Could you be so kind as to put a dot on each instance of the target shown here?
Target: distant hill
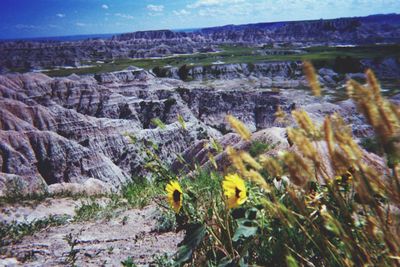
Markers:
(72, 50)
(356, 30)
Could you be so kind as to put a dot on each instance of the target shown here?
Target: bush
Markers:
(258, 148)
(371, 144)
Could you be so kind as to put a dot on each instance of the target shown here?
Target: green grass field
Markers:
(320, 56)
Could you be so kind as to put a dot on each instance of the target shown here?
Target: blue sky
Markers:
(38, 18)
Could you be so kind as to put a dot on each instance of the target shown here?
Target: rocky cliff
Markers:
(71, 129)
(358, 30)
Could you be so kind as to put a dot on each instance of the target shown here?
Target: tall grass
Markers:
(317, 204)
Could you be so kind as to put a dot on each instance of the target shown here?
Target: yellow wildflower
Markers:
(234, 190)
(174, 194)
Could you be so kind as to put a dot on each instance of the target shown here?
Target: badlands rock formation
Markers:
(73, 129)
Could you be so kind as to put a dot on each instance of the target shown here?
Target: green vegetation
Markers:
(97, 208)
(257, 148)
(72, 241)
(137, 194)
(128, 262)
(372, 144)
(163, 260)
(140, 193)
(12, 232)
(320, 56)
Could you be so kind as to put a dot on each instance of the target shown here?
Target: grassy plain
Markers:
(319, 55)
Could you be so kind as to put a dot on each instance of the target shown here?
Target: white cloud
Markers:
(182, 12)
(27, 27)
(80, 24)
(230, 11)
(60, 15)
(104, 6)
(155, 8)
(124, 16)
(30, 27)
(207, 3)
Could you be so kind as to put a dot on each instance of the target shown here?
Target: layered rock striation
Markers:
(69, 130)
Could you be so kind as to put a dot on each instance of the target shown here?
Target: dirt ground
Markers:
(101, 242)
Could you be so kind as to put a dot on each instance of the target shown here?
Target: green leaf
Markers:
(216, 145)
(245, 230)
(181, 121)
(242, 263)
(331, 226)
(290, 261)
(194, 235)
(157, 122)
(132, 138)
(128, 262)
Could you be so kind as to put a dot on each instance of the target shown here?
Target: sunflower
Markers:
(174, 193)
(234, 190)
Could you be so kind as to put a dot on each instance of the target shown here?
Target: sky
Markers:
(43, 18)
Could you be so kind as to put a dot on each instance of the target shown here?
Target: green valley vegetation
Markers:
(322, 56)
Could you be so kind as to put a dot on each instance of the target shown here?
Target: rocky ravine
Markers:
(71, 130)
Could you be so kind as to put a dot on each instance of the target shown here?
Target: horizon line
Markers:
(53, 38)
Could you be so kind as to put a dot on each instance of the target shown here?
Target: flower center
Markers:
(176, 196)
(237, 192)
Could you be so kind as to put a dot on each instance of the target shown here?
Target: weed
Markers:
(110, 249)
(92, 209)
(140, 193)
(166, 221)
(87, 211)
(13, 232)
(164, 260)
(128, 262)
(124, 220)
(72, 241)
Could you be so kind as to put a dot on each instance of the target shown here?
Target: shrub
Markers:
(371, 144)
(258, 148)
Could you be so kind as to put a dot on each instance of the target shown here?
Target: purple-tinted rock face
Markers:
(72, 129)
